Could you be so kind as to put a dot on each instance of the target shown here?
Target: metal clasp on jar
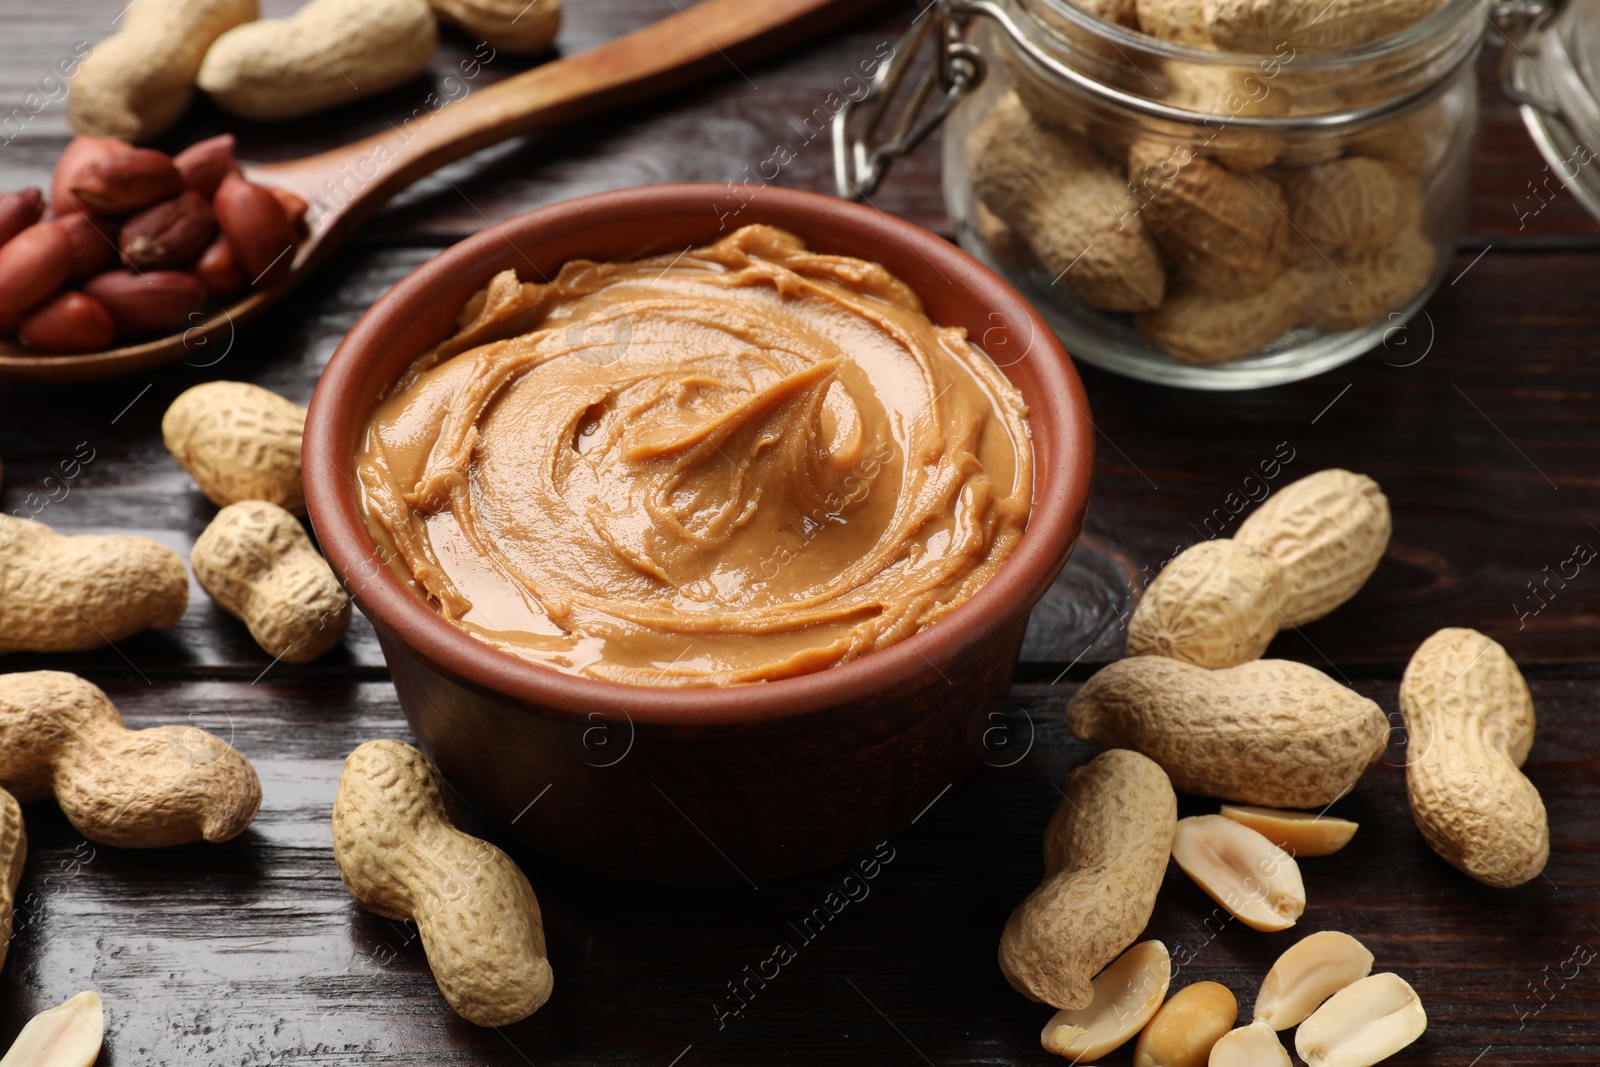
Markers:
(958, 67)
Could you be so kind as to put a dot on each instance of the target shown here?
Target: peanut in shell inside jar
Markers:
(741, 462)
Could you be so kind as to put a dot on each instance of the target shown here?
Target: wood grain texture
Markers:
(252, 952)
(1479, 420)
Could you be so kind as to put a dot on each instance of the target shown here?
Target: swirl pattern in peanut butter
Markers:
(736, 463)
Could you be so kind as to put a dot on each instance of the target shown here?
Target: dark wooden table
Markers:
(1481, 421)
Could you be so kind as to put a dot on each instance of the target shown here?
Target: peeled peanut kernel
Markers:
(1258, 882)
(1126, 995)
(1308, 973)
(1255, 1045)
(68, 1035)
(1185, 1028)
(1362, 1024)
(1300, 833)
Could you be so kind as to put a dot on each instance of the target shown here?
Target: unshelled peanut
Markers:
(1307, 549)
(1418, 140)
(1328, 530)
(522, 27)
(1262, 27)
(138, 82)
(1227, 232)
(1353, 205)
(13, 854)
(168, 785)
(1105, 854)
(256, 561)
(1228, 93)
(71, 594)
(1370, 287)
(1469, 723)
(1214, 605)
(1071, 206)
(328, 52)
(1181, 21)
(401, 858)
(1195, 325)
(238, 442)
(1270, 732)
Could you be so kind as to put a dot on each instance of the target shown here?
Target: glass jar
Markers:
(1211, 219)
(1554, 73)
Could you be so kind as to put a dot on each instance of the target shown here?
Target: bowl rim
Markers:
(1054, 522)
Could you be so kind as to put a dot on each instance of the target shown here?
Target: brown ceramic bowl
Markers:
(701, 786)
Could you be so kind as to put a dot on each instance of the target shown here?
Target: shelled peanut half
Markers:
(1219, 238)
(1346, 1016)
(132, 243)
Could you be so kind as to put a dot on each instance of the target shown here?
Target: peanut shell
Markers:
(13, 854)
(1196, 325)
(1363, 289)
(401, 858)
(1070, 205)
(1469, 719)
(1228, 232)
(72, 594)
(1262, 27)
(1328, 530)
(1352, 205)
(1269, 732)
(257, 563)
(169, 785)
(1214, 605)
(239, 442)
(1105, 854)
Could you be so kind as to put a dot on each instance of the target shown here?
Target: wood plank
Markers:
(252, 953)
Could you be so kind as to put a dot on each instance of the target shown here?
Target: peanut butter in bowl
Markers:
(737, 463)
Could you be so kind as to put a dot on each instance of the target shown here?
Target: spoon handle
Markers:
(346, 185)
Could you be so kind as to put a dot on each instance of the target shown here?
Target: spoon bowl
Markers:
(346, 186)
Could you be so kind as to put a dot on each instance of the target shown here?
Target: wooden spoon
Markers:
(347, 185)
